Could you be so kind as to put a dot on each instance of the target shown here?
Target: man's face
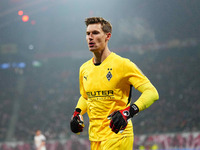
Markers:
(96, 38)
(38, 132)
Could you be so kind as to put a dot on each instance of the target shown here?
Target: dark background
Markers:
(40, 62)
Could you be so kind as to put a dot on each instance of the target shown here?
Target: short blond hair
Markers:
(106, 25)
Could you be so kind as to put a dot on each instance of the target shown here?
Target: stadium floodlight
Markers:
(25, 18)
(20, 12)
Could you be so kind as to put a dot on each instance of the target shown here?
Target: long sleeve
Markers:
(148, 97)
(82, 105)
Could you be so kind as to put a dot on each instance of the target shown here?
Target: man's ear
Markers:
(108, 36)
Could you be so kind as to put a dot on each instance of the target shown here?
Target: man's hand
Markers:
(76, 122)
(119, 119)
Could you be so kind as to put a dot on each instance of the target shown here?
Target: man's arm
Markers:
(82, 105)
(148, 97)
(76, 123)
(119, 119)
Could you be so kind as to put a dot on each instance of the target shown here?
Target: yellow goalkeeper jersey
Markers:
(106, 88)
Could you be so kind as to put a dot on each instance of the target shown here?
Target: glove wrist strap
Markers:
(133, 110)
(78, 110)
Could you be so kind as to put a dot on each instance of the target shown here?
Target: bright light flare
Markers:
(20, 12)
(25, 18)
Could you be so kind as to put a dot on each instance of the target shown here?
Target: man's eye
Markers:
(95, 32)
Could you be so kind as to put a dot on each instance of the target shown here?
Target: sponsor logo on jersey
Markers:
(104, 93)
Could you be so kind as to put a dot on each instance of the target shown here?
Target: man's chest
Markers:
(101, 79)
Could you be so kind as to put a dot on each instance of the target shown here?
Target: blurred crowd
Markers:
(45, 97)
(175, 73)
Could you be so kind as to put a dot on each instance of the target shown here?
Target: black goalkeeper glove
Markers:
(119, 119)
(76, 122)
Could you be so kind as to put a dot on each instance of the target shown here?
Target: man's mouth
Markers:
(91, 44)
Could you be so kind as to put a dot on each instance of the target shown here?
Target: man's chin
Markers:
(92, 49)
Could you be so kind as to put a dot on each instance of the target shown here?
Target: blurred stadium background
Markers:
(42, 45)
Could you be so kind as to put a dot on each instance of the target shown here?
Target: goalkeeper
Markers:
(106, 81)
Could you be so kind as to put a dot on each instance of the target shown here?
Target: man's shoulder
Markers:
(119, 58)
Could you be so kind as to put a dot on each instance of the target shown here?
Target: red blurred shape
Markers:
(25, 18)
(33, 22)
(20, 12)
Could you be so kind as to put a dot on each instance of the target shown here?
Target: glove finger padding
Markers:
(111, 115)
(119, 119)
(75, 127)
(76, 123)
(117, 122)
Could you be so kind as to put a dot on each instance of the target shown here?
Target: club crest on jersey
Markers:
(109, 74)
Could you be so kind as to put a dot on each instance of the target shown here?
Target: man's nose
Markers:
(90, 36)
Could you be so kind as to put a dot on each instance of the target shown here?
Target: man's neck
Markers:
(99, 57)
